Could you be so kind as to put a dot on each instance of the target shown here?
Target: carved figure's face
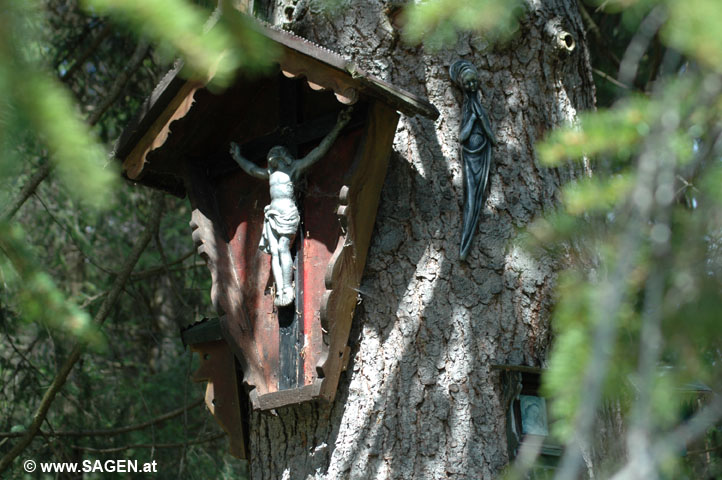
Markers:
(469, 81)
(279, 156)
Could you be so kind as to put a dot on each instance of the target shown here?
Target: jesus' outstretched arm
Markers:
(249, 167)
(322, 149)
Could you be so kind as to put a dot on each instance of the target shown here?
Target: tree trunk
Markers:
(419, 399)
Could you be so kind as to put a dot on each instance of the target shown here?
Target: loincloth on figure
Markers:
(280, 223)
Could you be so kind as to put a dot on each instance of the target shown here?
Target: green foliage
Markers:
(213, 48)
(46, 108)
(616, 130)
(69, 91)
(574, 318)
(636, 318)
(653, 280)
(37, 296)
(693, 28)
(438, 22)
(77, 155)
(592, 195)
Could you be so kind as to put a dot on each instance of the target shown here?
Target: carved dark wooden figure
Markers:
(476, 139)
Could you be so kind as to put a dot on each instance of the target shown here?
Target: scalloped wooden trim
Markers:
(320, 78)
(204, 238)
(158, 132)
(345, 269)
(225, 290)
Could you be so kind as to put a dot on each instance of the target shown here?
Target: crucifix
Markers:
(281, 217)
(297, 131)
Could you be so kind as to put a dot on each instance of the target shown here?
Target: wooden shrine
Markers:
(257, 354)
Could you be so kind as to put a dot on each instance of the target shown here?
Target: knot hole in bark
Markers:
(559, 37)
(566, 41)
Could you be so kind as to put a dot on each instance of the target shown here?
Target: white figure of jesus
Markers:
(281, 217)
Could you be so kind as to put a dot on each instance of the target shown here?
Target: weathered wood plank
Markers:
(218, 368)
(241, 200)
(207, 330)
(344, 273)
(227, 297)
(323, 234)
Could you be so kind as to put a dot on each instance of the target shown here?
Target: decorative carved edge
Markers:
(343, 248)
(402, 100)
(158, 132)
(343, 274)
(314, 391)
(225, 295)
(344, 91)
(204, 238)
(171, 101)
(210, 245)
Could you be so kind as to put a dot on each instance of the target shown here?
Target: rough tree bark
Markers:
(419, 399)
